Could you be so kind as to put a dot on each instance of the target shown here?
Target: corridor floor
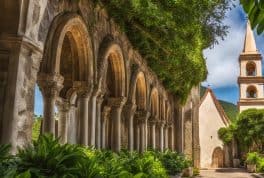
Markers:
(224, 173)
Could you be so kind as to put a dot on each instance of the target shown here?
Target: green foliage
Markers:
(174, 162)
(250, 126)
(255, 11)
(225, 134)
(252, 158)
(196, 171)
(47, 158)
(171, 35)
(257, 159)
(36, 127)
(247, 129)
(230, 110)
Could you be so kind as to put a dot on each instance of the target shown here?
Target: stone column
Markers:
(142, 117)
(171, 136)
(161, 125)
(99, 102)
(50, 86)
(116, 109)
(92, 118)
(83, 94)
(130, 110)
(64, 108)
(72, 126)
(152, 123)
(137, 135)
(105, 118)
(166, 139)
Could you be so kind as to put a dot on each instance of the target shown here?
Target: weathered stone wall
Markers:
(27, 41)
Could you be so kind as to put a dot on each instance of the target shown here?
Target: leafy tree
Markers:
(255, 11)
(171, 35)
(250, 126)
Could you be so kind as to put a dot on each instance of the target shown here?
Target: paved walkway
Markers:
(225, 173)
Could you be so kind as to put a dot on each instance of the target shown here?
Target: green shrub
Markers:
(252, 158)
(46, 157)
(174, 162)
(196, 171)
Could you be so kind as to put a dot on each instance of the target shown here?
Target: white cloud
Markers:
(222, 60)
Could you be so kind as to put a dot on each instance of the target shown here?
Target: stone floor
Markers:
(225, 173)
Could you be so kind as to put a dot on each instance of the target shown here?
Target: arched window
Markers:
(251, 92)
(251, 69)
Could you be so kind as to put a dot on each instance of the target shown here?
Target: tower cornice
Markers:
(250, 80)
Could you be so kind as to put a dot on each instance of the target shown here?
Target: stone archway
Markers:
(112, 85)
(217, 158)
(153, 136)
(67, 66)
(139, 99)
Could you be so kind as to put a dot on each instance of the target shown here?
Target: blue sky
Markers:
(221, 60)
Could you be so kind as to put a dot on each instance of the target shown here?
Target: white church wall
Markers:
(210, 122)
(243, 108)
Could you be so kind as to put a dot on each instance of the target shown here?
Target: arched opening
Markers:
(112, 83)
(217, 158)
(139, 99)
(141, 92)
(38, 114)
(251, 69)
(67, 59)
(154, 103)
(251, 92)
(154, 108)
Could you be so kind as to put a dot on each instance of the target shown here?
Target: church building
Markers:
(213, 152)
(250, 80)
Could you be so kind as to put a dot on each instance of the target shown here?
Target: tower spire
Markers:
(249, 43)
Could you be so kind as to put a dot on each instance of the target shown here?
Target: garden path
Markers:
(225, 173)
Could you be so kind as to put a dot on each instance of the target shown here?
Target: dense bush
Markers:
(248, 130)
(257, 159)
(173, 162)
(47, 158)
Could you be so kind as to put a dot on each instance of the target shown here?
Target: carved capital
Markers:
(117, 102)
(130, 108)
(106, 113)
(142, 115)
(50, 84)
(83, 89)
(63, 105)
(161, 123)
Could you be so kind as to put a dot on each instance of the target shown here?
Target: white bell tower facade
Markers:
(250, 80)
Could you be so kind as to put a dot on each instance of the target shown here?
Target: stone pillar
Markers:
(83, 94)
(105, 118)
(98, 129)
(171, 136)
(116, 110)
(161, 125)
(166, 139)
(73, 125)
(152, 123)
(137, 135)
(142, 117)
(64, 108)
(50, 86)
(92, 118)
(130, 112)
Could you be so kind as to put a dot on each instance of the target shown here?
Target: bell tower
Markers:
(250, 80)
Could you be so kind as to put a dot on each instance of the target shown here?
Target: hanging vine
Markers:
(171, 35)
